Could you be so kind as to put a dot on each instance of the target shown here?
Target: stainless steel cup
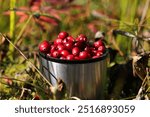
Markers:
(85, 79)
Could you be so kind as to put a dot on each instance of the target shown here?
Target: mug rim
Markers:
(57, 60)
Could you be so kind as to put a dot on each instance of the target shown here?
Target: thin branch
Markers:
(22, 93)
(23, 29)
(117, 47)
(128, 34)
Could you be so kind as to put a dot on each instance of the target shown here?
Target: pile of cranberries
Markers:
(66, 47)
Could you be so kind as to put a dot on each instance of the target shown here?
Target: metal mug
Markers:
(85, 79)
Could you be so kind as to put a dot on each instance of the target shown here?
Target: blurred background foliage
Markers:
(28, 22)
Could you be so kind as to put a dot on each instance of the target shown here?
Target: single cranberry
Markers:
(60, 47)
(83, 55)
(53, 48)
(81, 38)
(75, 51)
(88, 49)
(99, 53)
(89, 55)
(69, 46)
(93, 52)
(44, 47)
(70, 39)
(80, 45)
(70, 57)
(62, 58)
(56, 54)
(36, 97)
(65, 53)
(62, 35)
(98, 43)
(76, 58)
(58, 41)
(77, 39)
(92, 48)
(65, 41)
(101, 49)
(94, 57)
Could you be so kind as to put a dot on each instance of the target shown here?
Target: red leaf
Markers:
(35, 8)
(35, 3)
(23, 18)
(58, 2)
(21, 12)
(48, 20)
(53, 12)
(92, 27)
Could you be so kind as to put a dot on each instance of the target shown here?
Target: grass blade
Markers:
(12, 28)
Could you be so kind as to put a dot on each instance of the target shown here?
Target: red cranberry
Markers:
(80, 45)
(37, 97)
(94, 57)
(99, 53)
(69, 46)
(98, 43)
(83, 55)
(88, 49)
(56, 54)
(101, 48)
(60, 47)
(53, 48)
(62, 35)
(70, 39)
(75, 51)
(70, 57)
(76, 58)
(62, 58)
(81, 38)
(93, 52)
(44, 47)
(92, 48)
(58, 41)
(89, 55)
(65, 41)
(64, 53)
